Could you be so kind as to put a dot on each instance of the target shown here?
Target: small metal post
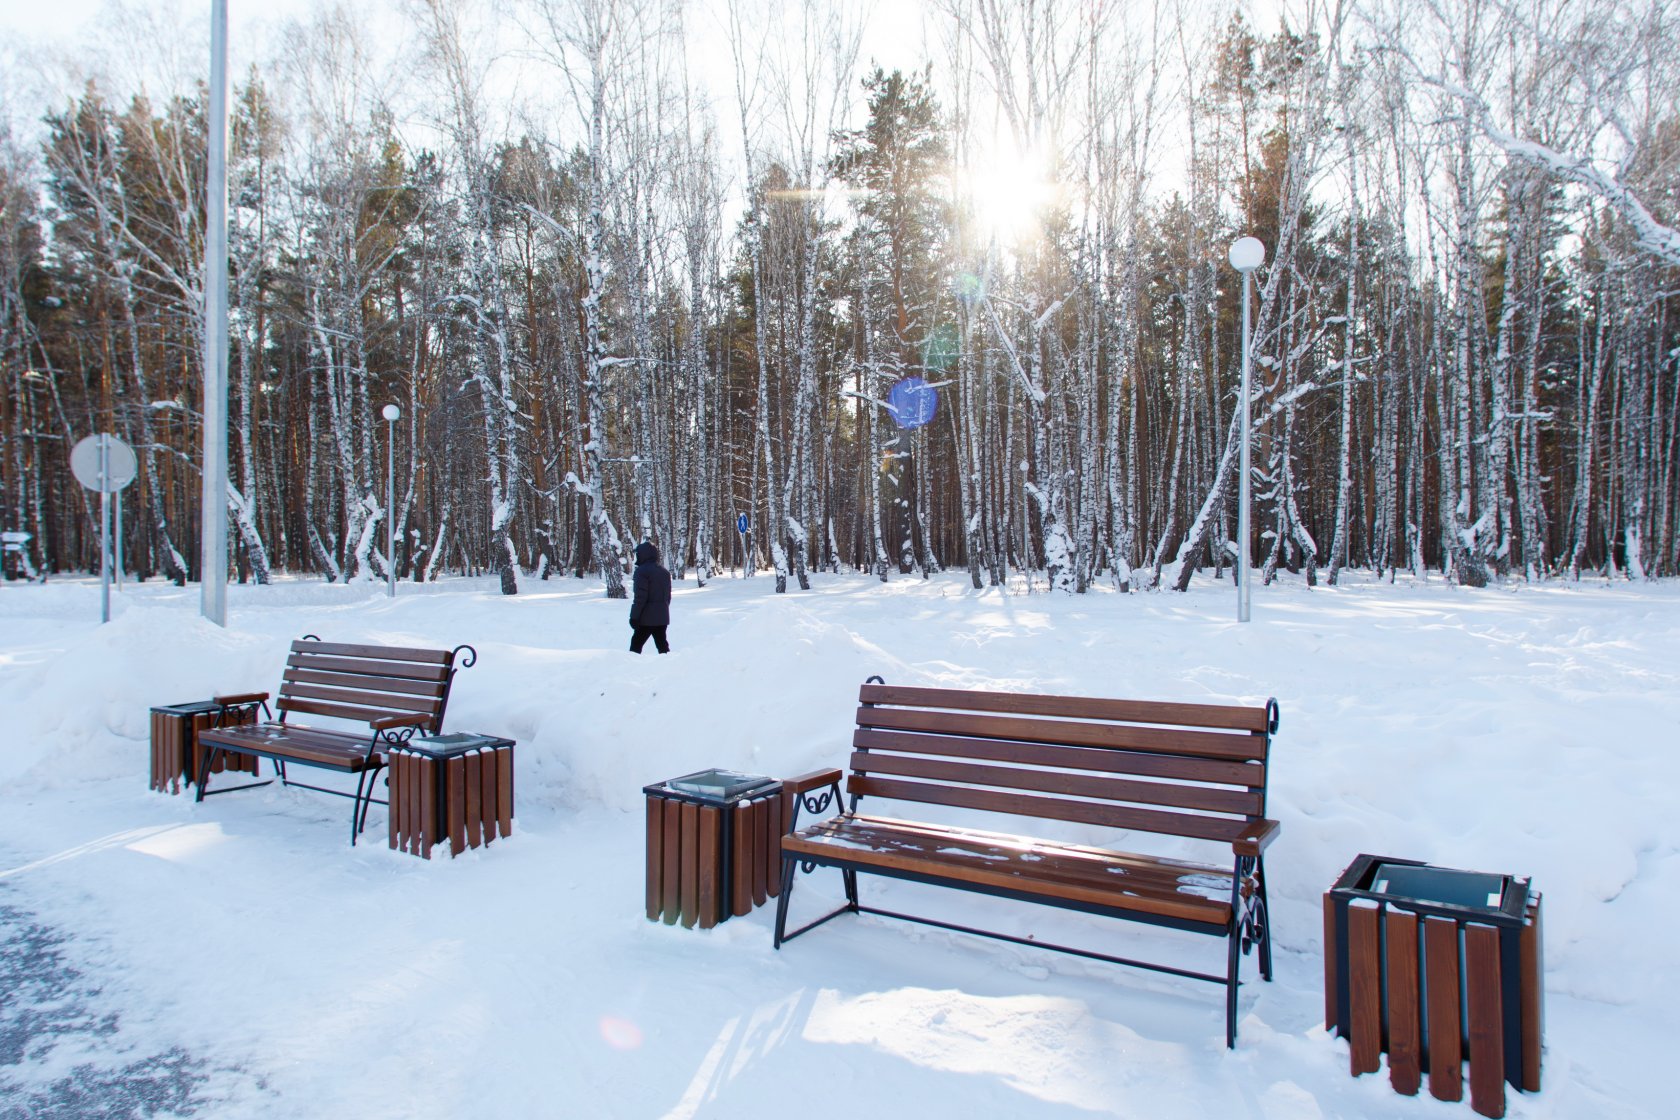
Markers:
(391, 412)
(104, 529)
(117, 541)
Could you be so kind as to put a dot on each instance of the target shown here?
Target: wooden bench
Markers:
(391, 692)
(1193, 771)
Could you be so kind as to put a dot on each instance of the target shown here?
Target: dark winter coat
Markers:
(652, 584)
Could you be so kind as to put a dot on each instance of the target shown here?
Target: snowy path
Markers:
(64, 1051)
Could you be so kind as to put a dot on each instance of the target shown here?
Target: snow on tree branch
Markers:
(1661, 241)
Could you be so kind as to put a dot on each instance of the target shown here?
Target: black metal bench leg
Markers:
(1233, 956)
(1265, 922)
(210, 757)
(356, 811)
(850, 877)
(367, 803)
(782, 901)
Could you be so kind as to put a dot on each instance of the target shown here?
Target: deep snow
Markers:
(1527, 729)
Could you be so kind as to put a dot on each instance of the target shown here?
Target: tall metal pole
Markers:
(1244, 481)
(1247, 254)
(213, 555)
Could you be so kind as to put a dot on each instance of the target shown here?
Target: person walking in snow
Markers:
(650, 610)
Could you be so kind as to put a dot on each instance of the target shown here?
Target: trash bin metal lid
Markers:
(189, 708)
(718, 787)
(448, 746)
(1476, 896)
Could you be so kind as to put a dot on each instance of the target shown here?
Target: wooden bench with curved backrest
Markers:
(1187, 771)
(387, 693)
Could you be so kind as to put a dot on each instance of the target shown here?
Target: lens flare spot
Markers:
(620, 1034)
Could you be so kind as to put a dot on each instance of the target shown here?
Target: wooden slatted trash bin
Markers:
(1435, 967)
(713, 846)
(176, 755)
(455, 789)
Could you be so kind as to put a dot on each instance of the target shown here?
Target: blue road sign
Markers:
(741, 523)
(913, 402)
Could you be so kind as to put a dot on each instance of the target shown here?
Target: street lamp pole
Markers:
(213, 557)
(1247, 254)
(391, 413)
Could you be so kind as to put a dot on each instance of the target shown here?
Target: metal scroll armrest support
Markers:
(227, 705)
(800, 789)
(385, 723)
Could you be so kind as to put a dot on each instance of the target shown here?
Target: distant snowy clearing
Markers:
(273, 970)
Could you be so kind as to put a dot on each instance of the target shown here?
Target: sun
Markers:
(1010, 191)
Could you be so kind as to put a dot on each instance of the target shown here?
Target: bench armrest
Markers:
(385, 723)
(1255, 836)
(814, 780)
(240, 698)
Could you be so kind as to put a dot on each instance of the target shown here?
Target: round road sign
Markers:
(103, 463)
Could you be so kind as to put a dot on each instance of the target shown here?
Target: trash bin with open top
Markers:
(713, 846)
(1433, 965)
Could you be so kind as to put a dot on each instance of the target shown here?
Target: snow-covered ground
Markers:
(239, 959)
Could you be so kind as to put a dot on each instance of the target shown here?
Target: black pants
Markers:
(640, 637)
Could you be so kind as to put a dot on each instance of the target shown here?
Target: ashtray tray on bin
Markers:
(713, 846)
(718, 787)
(1432, 965)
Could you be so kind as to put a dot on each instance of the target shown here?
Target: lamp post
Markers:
(391, 413)
(1247, 254)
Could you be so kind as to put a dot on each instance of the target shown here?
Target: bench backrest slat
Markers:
(1203, 798)
(353, 680)
(361, 667)
(387, 702)
(1195, 770)
(1249, 774)
(363, 683)
(1221, 716)
(338, 711)
(1028, 729)
(1223, 829)
(376, 653)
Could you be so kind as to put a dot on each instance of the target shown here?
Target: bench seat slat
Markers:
(309, 745)
(1073, 861)
(1220, 829)
(1029, 729)
(289, 731)
(401, 670)
(1250, 774)
(1064, 782)
(1189, 892)
(1230, 717)
(371, 700)
(431, 688)
(380, 653)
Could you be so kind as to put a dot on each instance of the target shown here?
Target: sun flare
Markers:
(1010, 191)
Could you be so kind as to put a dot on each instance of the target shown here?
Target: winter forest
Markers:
(634, 268)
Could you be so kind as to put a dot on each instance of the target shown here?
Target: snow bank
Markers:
(1524, 729)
